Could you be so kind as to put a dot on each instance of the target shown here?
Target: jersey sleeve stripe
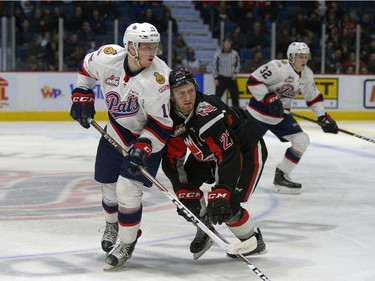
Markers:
(159, 123)
(252, 81)
(83, 71)
(318, 98)
(210, 123)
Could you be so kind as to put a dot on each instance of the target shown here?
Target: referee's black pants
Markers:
(227, 83)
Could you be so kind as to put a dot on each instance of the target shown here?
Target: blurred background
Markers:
(55, 35)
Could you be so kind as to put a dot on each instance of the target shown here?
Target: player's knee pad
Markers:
(300, 141)
(109, 196)
(129, 192)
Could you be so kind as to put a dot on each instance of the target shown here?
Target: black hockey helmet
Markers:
(181, 77)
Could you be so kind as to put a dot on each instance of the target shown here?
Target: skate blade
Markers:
(234, 256)
(205, 249)
(108, 267)
(286, 190)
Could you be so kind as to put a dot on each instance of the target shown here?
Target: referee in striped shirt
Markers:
(226, 66)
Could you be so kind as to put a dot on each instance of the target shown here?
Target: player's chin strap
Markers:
(233, 249)
(322, 125)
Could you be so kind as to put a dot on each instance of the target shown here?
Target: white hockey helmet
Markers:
(141, 33)
(297, 48)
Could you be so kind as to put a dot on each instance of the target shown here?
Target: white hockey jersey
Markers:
(279, 76)
(138, 105)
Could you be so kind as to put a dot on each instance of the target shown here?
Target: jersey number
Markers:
(226, 140)
(265, 72)
(165, 114)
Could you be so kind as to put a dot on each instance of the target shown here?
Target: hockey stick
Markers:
(218, 238)
(323, 125)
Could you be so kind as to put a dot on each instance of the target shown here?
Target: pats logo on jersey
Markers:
(204, 108)
(159, 78)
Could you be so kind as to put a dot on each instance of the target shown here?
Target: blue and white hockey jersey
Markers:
(138, 105)
(279, 76)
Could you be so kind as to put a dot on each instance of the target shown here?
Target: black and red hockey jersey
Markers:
(213, 131)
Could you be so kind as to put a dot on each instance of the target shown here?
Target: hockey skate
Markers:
(260, 248)
(201, 243)
(120, 253)
(109, 236)
(284, 185)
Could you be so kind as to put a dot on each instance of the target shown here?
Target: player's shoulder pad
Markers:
(109, 51)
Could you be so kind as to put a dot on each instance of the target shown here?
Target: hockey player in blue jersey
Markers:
(134, 82)
(274, 86)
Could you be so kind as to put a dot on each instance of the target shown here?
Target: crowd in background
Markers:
(89, 24)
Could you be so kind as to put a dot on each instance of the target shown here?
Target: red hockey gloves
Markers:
(218, 208)
(329, 125)
(83, 106)
(138, 154)
(275, 106)
(190, 197)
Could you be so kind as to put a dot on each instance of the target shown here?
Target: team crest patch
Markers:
(109, 51)
(284, 62)
(159, 78)
(112, 80)
(290, 79)
(204, 108)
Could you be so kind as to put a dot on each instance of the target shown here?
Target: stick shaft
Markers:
(340, 130)
(217, 237)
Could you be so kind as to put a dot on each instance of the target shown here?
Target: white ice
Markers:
(51, 220)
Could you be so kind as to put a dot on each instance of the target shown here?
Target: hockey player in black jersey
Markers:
(226, 148)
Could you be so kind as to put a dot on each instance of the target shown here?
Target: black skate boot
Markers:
(260, 248)
(284, 185)
(120, 253)
(109, 236)
(201, 243)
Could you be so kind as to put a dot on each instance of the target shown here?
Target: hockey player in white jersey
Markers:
(273, 86)
(134, 83)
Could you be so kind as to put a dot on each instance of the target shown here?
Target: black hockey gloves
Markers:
(83, 106)
(329, 125)
(138, 154)
(190, 197)
(218, 208)
(274, 103)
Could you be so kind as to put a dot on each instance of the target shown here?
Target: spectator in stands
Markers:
(37, 52)
(24, 36)
(74, 22)
(283, 41)
(239, 38)
(191, 63)
(247, 22)
(179, 49)
(138, 8)
(85, 34)
(259, 38)
(256, 61)
(363, 70)
(350, 62)
(334, 62)
(371, 63)
(163, 23)
(97, 22)
(314, 23)
(225, 67)
(298, 22)
(148, 16)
